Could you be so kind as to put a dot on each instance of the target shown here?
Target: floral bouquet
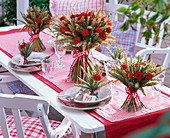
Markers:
(135, 75)
(94, 80)
(36, 21)
(25, 50)
(83, 32)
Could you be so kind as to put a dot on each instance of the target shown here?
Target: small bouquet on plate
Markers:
(94, 80)
(25, 50)
(83, 32)
(135, 74)
(36, 21)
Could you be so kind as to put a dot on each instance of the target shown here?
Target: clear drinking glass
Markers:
(49, 68)
(108, 65)
(157, 88)
(60, 53)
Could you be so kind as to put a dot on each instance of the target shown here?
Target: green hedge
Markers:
(10, 8)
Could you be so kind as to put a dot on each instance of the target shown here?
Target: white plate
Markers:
(103, 94)
(12, 66)
(103, 103)
(35, 56)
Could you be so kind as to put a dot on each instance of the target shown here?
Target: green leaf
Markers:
(154, 17)
(125, 26)
(122, 9)
(142, 21)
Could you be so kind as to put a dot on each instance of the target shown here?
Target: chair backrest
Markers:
(23, 102)
(112, 6)
(146, 52)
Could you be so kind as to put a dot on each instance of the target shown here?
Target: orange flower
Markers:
(77, 40)
(97, 77)
(85, 32)
(63, 30)
(38, 20)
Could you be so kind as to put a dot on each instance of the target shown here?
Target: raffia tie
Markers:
(76, 54)
(33, 35)
(131, 95)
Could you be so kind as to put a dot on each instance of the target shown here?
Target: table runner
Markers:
(99, 113)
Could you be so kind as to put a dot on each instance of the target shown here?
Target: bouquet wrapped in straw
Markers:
(83, 32)
(35, 21)
(135, 74)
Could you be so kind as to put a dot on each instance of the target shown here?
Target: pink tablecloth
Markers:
(110, 115)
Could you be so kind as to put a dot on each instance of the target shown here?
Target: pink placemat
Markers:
(112, 111)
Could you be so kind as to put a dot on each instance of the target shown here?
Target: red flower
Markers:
(83, 14)
(39, 13)
(98, 30)
(129, 74)
(66, 23)
(85, 32)
(124, 66)
(103, 19)
(38, 20)
(33, 10)
(79, 22)
(62, 18)
(29, 16)
(63, 30)
(93, 15)
(77, 40)
(77, 15)
(143, 63)
(23, 45)
(103, 36)
(97, 77)
(72, 16)
(90, 20)
(148, 76)
(47, 21)
(109, 23)
(138, 75)
(135, 64)
(108, 30)
(89, 14)
(74, 31)
(49, 17)
(155, 71)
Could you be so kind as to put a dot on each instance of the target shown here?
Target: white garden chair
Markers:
(27, 126)
(113, 5)
(146, 52)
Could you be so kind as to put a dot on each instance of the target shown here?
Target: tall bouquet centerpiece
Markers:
(135, 74)
(36, 20)
(83, 32)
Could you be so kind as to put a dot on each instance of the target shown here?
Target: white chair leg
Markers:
(76, 132)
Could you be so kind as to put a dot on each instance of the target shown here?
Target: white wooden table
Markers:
(82, 120)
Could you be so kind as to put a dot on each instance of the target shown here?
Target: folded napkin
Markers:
(70, 103)
(27, 68)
